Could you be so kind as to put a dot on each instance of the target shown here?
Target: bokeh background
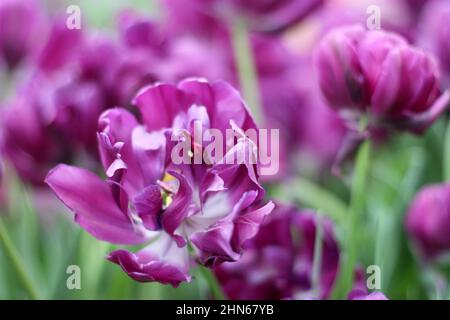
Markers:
(275, 73)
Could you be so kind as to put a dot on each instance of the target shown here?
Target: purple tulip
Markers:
(277, 262)
(291, 103)
(141, 33)
(69, 87)
(196, 17)
(394, 16)
(435, 33)
(428, 220)
(379, 74)
(274, 15)
(29, 144)
(149, 200)
(60, 48)
(21, 24)
(263, 16)
(164, 55)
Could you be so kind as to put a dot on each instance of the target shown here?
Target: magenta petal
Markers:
(150, 152)
(160, 261)
(148, 205)
(60, 47)
(159, 105)
(178, 209)
(214, 245)
(116, 127)
(247, 225)
(223, 241)
(418, 123)
(95, 209)
(230, 107)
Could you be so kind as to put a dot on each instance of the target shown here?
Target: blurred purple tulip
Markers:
(63, 97)
(149, 200)
(27, 140)
(377, 73)
(291, 103)
(206, 17)
(394, 16)
(196, 17)
(165, 54)
(435, 33)
(274, 15)
(428, 220)
(277, 263)
(60, 48)
(21, 25)
(417, 5)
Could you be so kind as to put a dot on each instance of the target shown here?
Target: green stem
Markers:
(92, 257)
(248, 78)
(213, 284)
(355, 210)
(317, 260)
(446, 162)
(17, 262)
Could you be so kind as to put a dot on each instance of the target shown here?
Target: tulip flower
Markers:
(21, 23)
(29, 144)
(166, 207)
(379, 75)
(69, 86)
(278, 262)
(435, 33)
(428, 221)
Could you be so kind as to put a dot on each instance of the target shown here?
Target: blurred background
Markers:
(54, 83)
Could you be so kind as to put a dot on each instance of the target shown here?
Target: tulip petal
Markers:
(148, 205)
(95, 209)
(178, 209)
(161, 261)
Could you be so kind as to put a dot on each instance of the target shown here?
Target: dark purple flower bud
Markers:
(435, 33)
(278, 262)
(28, 144)
(21, 26)
(428, 220)
(150, 199)
(378, 74)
